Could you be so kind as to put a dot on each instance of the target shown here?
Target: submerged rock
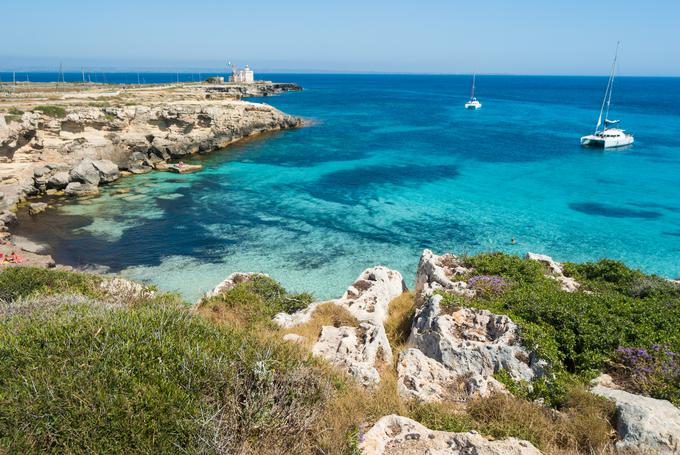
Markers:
(78, 189)
(393, 435)
(36, 208)
(643, 423)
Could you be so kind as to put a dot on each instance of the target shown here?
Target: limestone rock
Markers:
(473, 344)
(396, 435)
(357, 350)
(435, 272)
(79, 189)
(37, 207)
(294, 338)
(125, 290)
(556, 271)
(108, 170)
(231, 281)
(58, 180)
(85, 173)
(644, 423)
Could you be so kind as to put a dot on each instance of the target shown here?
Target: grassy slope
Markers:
(83, 371)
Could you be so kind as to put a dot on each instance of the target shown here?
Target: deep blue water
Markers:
(390, 165)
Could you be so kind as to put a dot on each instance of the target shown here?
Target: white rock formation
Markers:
(643, 423)
(396, 435)
(356, 349)
(556, 271)
(473, 345)
(231, 281)
(435, 272)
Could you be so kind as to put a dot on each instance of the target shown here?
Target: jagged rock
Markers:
(59, 181)
(125, 290)
(424, 379)
(434, 273)
(108, 170)
(396, 435)
(231, 281)
(79, 189)
(356, 349)
(8, 218)
(473, 344)
(37, 207)
(643, 423)
(85, 172)
(556, 271)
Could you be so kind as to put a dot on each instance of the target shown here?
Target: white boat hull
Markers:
(606, 142)
(473, 105)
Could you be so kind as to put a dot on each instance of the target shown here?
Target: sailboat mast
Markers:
(472, 93)
(607, 93)
(611, 85)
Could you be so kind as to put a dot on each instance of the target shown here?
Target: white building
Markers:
(244, 75)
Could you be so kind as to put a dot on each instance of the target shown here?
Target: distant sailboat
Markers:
(608, 137)
(473, 103)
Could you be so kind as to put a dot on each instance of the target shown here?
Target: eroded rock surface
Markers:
(643, 423)
(555, 271)
(356, 349)
(396, 435)
(231, 281)
(455, 352)
(436, 273)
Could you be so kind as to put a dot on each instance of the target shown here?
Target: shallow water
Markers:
(391, 165)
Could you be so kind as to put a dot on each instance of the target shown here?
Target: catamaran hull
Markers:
(606, 143)
(472, 105)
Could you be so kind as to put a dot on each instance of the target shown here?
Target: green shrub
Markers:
(12, 118)
(17, 282)
(579, 333)
(254, 302)
(14, 111)
(153, 378)
(51, 111)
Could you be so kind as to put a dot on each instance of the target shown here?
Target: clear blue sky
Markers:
(431, 36)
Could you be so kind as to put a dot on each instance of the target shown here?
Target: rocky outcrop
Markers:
(455, 352)
(472, 345)
(643, 423)
(555, 271)
(92, 144)
(396, 435)
(358, 350)
(231, 281)
(436, 273)
(258, 89)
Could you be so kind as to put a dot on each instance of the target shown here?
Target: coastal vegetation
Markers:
(622, 321)
(51, 110)
(87, 369)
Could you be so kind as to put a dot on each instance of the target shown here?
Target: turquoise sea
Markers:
(389, 165)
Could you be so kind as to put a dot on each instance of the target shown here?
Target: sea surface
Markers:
(389, 165)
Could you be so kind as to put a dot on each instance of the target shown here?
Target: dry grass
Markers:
(325, 314)
(399, 319)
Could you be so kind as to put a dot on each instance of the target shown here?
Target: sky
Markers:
(576, 37)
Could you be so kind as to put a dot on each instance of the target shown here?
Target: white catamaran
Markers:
(473, 103)
(608, 137)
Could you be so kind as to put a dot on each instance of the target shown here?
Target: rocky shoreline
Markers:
(90, 137)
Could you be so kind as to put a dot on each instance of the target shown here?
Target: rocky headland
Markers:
(68, 142)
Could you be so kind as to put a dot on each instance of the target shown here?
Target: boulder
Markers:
(59, 181)
(357, 350)
(36, 207)
(294, 338)
(85, 173)
(435, 273)
(472, 344)
(643, 423)
(555, 271)
(78, 189)
(8, 218)
(108, 170)
(393, 434)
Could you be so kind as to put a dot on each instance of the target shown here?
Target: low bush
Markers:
(579, 333)
(51, 111)
(18, 282)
